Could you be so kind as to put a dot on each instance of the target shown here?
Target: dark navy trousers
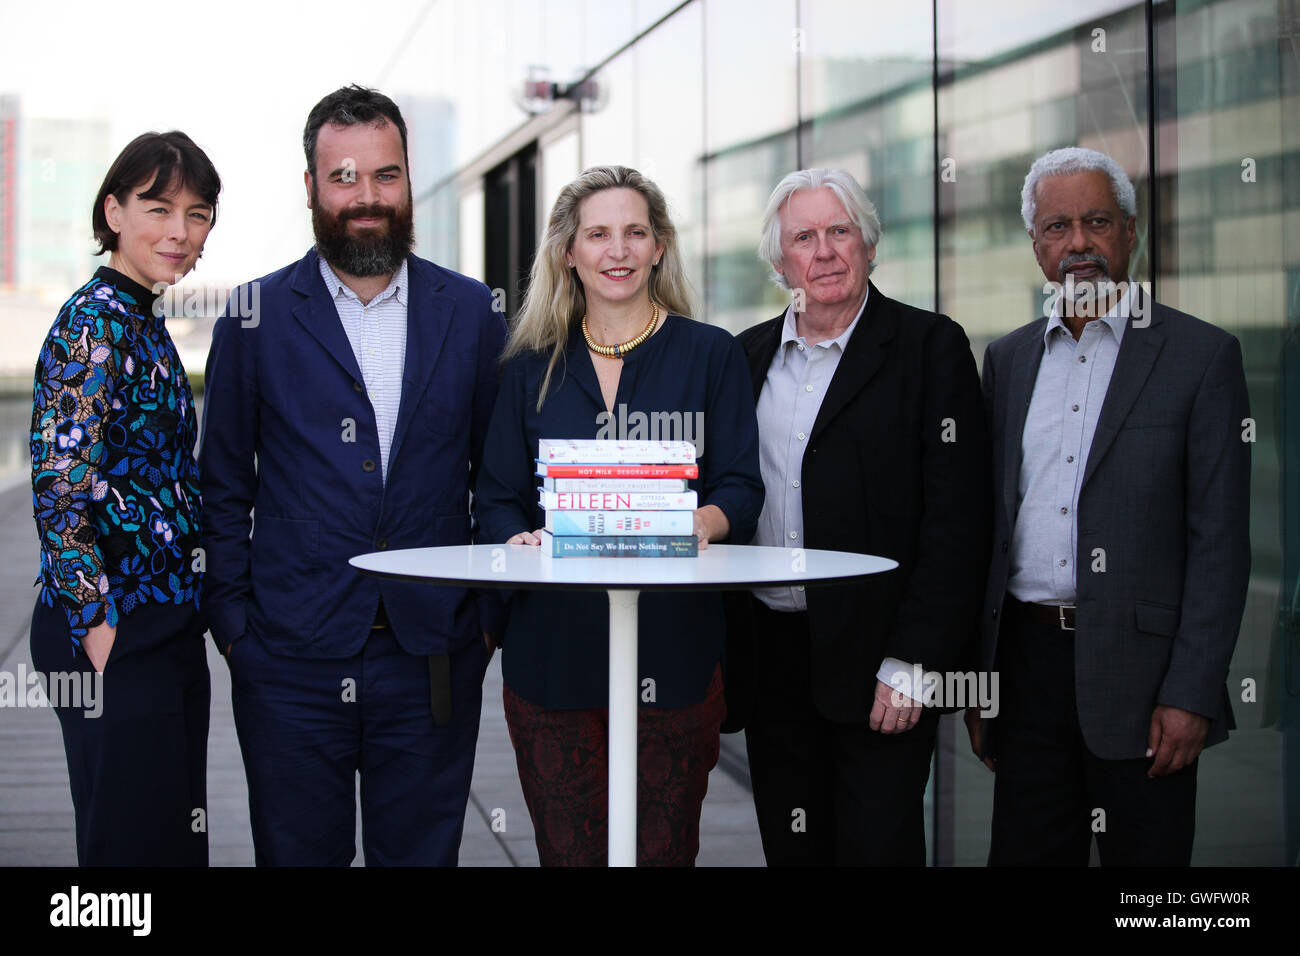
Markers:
(308, 726)
(138, 770)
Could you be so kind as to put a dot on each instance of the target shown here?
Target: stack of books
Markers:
(617, 499)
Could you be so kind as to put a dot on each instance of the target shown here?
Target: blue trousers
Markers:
(138, 770)
(308, 726)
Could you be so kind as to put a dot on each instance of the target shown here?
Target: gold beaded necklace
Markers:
(618, 351)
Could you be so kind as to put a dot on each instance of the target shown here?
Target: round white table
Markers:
(720, 567)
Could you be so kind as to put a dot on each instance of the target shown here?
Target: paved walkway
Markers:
(36, 823)
(1239, 787)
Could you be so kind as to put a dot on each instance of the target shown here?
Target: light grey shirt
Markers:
(796, 383)
(792, 395)
(1062, 417)
(377, 334)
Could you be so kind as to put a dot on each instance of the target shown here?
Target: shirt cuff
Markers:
(901, 676)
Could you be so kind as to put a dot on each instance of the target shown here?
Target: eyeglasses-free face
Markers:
(158, 240)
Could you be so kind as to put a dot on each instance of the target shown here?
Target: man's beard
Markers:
(376, 252)
(1071, 281)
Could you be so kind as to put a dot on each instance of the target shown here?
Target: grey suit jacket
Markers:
(1165, 497)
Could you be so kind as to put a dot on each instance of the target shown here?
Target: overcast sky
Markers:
(240, 82)
(240, 77)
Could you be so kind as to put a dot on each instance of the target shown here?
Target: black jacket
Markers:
(896, 466)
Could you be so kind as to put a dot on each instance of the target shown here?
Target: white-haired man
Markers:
(1121, 544)
(871, 440)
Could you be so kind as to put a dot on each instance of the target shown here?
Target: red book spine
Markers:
(620, 471)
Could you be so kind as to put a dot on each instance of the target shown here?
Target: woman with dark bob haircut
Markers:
(116, 628)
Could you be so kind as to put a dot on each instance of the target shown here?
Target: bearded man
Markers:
(1121, 544)
(348, 415)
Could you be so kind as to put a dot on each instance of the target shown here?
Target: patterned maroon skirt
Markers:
(564, 770)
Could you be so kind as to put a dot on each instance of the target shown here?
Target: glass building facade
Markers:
(938, 110)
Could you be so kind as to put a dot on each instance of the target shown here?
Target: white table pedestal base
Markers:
(722, 567)
(622, 746)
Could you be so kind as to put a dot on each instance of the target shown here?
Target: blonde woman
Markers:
(605, 330)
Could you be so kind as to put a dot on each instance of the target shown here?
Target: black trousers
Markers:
(137, 758)
(1051, 793)
(826, 793)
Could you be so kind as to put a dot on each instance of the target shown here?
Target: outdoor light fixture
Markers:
(538, 93)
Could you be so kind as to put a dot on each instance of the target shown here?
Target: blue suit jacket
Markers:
(289, 499)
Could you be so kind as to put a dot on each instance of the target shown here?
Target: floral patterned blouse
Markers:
(115, 485)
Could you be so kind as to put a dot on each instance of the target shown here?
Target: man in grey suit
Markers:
(1121, 545)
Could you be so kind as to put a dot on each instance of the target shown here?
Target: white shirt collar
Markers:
(396, 286)
(790, 333)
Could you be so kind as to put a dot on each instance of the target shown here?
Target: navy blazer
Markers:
(276, 461)
(1163, 524)
(556, 651)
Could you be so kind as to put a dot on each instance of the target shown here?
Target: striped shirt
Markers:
(377, 334)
